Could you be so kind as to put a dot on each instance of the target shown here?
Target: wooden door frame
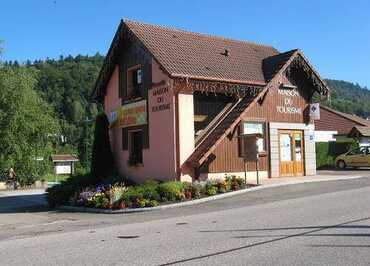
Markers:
(292, 131)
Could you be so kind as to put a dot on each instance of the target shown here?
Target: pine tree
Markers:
(102, 157)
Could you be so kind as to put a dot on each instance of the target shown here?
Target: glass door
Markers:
(291, 153)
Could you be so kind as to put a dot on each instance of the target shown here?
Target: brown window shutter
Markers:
(119, 82)
(122, 81)
(240, 141)
(124, 139)
(147, 78)
(146, 137)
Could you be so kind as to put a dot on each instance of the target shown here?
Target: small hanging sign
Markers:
(315, 111)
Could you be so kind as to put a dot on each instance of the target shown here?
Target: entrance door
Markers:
(291, 153)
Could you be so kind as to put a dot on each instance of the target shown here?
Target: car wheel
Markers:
(341, 164)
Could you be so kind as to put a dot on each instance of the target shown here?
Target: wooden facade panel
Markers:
(222, 161)
(278, 106)
(274, 108)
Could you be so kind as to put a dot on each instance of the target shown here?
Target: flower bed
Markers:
(148, 194)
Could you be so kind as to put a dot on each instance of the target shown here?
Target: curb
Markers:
(202, 200)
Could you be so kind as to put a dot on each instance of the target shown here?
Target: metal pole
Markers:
(245, 171)
(258, 181)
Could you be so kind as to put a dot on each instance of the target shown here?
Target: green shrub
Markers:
(152, 203)
(149, 190)
(192, 190)
(133, 196)
(61, 194)
(210, 188)
(100, 201)
(171, 191)
(241, 182)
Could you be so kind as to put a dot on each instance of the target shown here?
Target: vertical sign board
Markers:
(250, 151)
(250, 147)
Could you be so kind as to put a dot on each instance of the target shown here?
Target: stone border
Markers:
(202, 200)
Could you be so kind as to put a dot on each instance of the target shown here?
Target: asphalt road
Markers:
(318, 223)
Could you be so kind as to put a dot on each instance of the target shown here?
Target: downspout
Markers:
(177, 134)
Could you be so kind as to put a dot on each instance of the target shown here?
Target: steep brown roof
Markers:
(272, 64)
(199, 55)
(353, 118)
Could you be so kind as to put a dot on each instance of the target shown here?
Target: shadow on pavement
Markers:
(289, 228)
(279, 238)
(339, 246)
(23, 203)
(317, 235)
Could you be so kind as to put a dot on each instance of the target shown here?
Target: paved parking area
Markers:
(25, 213)
(321, 223)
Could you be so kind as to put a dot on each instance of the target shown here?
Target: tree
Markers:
(102, 157)
(28, 126)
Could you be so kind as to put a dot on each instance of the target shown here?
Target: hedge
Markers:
(326, 152)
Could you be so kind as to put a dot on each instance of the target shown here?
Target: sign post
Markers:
(250, 152)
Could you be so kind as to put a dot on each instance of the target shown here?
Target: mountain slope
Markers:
(349, 98)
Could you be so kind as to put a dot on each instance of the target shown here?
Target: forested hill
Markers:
(66, 83)
(349, 98)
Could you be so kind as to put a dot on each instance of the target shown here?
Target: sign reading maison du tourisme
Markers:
(128, 115)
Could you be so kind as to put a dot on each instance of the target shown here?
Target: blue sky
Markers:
(334, 35)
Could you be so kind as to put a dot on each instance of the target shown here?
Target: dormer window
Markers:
(134, 81)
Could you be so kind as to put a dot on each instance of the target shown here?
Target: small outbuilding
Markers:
(362, 134)
(64, 163)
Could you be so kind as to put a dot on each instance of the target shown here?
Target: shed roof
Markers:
(64, 158)
(363, 131)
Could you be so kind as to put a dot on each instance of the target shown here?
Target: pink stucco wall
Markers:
(159, 161)
(186, 133)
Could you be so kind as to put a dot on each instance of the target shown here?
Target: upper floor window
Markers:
(134, 80)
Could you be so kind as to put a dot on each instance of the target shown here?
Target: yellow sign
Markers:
(129, 115)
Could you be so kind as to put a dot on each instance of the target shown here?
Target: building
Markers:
(361, 134)
(179, 101)
(333, 123)
(64, 164)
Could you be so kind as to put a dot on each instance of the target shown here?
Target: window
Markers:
(358, 151)
(134, 81)
(135, 147)
(254, 128)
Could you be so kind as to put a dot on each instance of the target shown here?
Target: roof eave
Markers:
(234, 81)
